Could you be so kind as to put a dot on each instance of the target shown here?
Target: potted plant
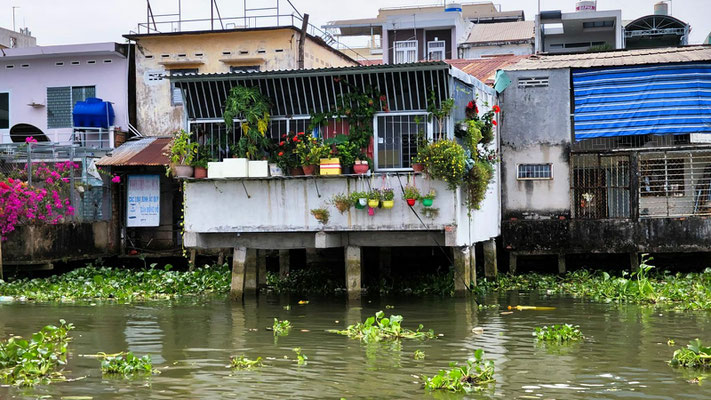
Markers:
(200, 162)
(429, 198)
(310, 152)
(374, 198)
(388, 198)
(359, 199)
(321, 215)
(421, 142)
(360, 167)
(411, 194)
(347, 152)
(182, 153)
(342, 202)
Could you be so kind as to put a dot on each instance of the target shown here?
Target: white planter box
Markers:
(235, 168)
(214, 170)
(258, 169)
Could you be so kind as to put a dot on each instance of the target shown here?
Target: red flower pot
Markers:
(418, 167)
(360, 168)
(200, 173)
(309, 169)
(296, 171)
(411, 202)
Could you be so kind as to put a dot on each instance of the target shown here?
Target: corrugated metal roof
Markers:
(501, 32)
(146, 151)
(615, 58)
(484, 69)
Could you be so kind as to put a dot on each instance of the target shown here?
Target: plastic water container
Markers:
(93, 113)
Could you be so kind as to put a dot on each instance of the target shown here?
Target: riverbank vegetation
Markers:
(38, 360)
(379, 328)
(694, 355)
(120, 284)
(472, 376)
(684, 291)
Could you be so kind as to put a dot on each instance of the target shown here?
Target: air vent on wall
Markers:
(540, 81)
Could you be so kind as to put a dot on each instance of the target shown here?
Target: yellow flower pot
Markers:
(388, 204)
(373, 203)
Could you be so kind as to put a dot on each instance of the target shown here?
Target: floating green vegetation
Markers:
(487, 306)
(419, 355)
(473, 376)
(684, 291)
(300, 357)
(37, 360)
(244, 363)
(281, 328)
(120, 284)
(379, 328)
(127, 365)
(695, 355)
(559, 334)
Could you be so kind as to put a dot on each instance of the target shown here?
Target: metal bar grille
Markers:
(600, 186)
(396, 139)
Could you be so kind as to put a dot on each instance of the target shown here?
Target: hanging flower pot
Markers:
(411, 202)
(373, 203)
(359, 206)
(388, 204)
(428, 198)
(371, 211)
(427, 202)
(360, 167)
(363, 201)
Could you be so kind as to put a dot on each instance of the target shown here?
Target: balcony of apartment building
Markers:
(558, 32)
(275, 212)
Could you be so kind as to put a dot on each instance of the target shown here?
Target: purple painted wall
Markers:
(26, 74)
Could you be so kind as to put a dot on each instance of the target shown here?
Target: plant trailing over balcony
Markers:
(253, 110)
(342, 202)
(439, 113)
(321, 214)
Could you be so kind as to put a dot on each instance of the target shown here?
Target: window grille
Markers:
(600, 186)
(436, 50)
(405, 51)
(61, 101)
(534, 171)
(396, 139)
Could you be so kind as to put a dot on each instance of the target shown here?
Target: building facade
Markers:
(580, 31)
(159, 55)
(594, 162)
(10, 39)
(40, 85)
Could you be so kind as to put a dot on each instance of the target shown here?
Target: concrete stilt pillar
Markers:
(191, 263)
(513, 259)
(250, 273)
(634, 261)
(239, 256)
(312, 258)
(261, 268)
(462, 270)
(353, 271)
(472, 265)
(221, 258)
(561, 263)
(490, 268)
(284, 262)
(384, 262)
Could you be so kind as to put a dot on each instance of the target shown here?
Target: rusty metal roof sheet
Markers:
(484, 69)
(615, 58)
(145, 151)
(519, 31)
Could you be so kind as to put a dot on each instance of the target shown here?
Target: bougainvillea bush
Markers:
(46, 201)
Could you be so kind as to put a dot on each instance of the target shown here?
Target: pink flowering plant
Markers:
(46, 201)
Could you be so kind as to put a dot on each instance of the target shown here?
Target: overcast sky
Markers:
(81, 21)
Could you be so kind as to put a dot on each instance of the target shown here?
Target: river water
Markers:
(623, 355)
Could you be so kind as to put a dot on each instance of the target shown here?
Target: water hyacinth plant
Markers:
(281, 328)
(695, 355)
(558, 333)
(472, 376)
(35, 361)
(120, 285)
(379, 328)
(244, 363)
(418, 355)
(300, 357)
(127, 365)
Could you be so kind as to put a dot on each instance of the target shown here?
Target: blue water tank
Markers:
(93, 113)
(453, 7)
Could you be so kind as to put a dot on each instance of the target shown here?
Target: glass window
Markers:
(4, 110)
(435, 50)
(534, 171)
(244, 68)
(61, 102)
(405, 51)
(396, 139)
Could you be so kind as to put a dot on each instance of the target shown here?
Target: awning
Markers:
(150, 151)
(669, 99)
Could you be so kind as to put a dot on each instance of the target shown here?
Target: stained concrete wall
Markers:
(519, 49)
(156, 55)
(536, 129)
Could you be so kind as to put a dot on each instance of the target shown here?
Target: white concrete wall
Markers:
(480, 51)
(284, 205)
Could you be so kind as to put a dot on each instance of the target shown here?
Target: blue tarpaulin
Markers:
(670, 99)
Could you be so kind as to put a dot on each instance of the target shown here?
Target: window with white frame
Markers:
(396, 137)
(435, 50)
(534, 171)
(405, 51)
(4, 110)
(61, 102)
